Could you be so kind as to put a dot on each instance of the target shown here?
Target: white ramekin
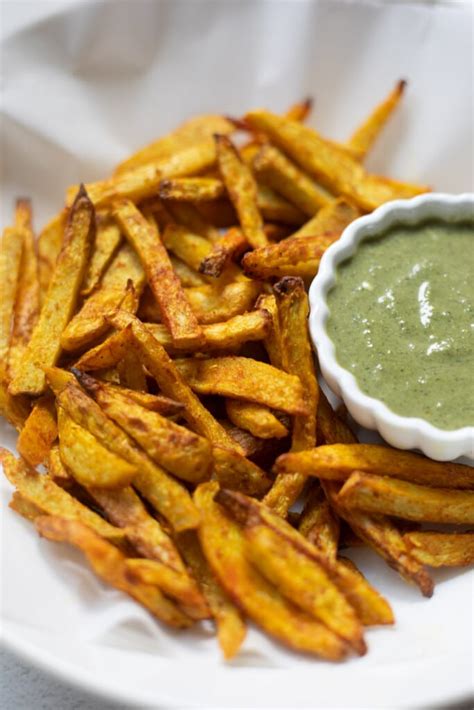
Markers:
(402, 432)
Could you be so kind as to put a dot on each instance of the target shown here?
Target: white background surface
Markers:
(341, 101)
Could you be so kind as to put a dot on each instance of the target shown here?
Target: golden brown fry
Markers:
(174, 307)
(438, 549)
(107, 241)
(255, 418)
(330, 427)
(90, 322)
(188, 216)
(318, 524)
(333, 217)
(180, 451)
(300, 110)
(44, 347)
(190, 248)
(329, 164)
(366, 134)
(230, 246)
(275, 208)
(242, 191)
(275, 170)
(303, 581)
(338, 461)
(39, 433)
(164, 370)
(24, 507)
(50, 241)
(236, 472)
(188, 276)
(245, 378)
(90, 463)
(154, 402)
(213, 304)
(164, 493)
(131, 373)
(298, 361)
(111, 566)
(108, 353)
(40, 490)
(225, 550)
(198, 189)
(10, 259)
(290, 257)
(231, 628)
(273, 341)
(387, 496)
(57, 471)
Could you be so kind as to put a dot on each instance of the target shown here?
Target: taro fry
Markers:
(39, 432)
(255, 418)
(441, 549)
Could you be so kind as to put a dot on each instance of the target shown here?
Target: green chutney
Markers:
(401, 317)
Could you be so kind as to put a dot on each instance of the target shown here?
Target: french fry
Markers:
(290, 257)
(279, 173)
(10, 260)
(107, 240)
(198, 189)
(224, 547)
(333, 217)
(90, 463)
(50, 241)
(111, 566)
(108, 353)
(338, 461)
(90, 322)
(57, 471)
(190, 248)
(41, 491)
(410, 501)
(298, 361)
(275, 208)
(242, 191)
(231, 628)
(165, 372)
(366, 134)
(245, 378)
(330, 427)
(174, 307)
(273, 341)
(231, 245)
(213, 304)
(131, 373)
(329, 164)
(39, 433)
(255, 418)
(318, 524)
(188, 216)
(44, 347)
(163, 492)
(220, 213)
(236, 472)
(180, 451)
(189, 277)
(24, 507)
(300, 110)
(438, 549)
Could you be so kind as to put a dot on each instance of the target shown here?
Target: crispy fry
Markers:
(330, 427)
(438, 549)
(300, 110)
(255, 418)
(50, 241)
(174, 307)
(366, 134)
(242, 191)
(230, 246)
(57, 471)
(39, 433)
(10, 259)
(111, 566)
(164, 370)
(273, 341)
(108, 353)
(298, 361)
(90, 463)
(189, 277)
(177, 449)
(318, 523)
(275, 208)
(338, 461)
(333, 217)
(236, 472)
(198, 189)
(328, 163)
(224, 547)
(44, 348)
(90, 322)
(231, 628)
(24, 507)
(131, 373)
(279, 173)
(40, 490)
(213, 304)
(245, 378)
(190, 248)
(154, 402)
(377, 494)
(188, 216)
(107, 241)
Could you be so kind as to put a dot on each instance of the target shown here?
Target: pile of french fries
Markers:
(156, 362)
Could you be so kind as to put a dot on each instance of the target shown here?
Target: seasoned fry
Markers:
(301, 110)
(333, 217)
(10, 259)
(376, 494)
(57, 471)
(328, 163)
(438, 549)
(174, 307)
(275, 208)
(338, 461)
(225, 549)
(199, 189)
(131, 373)
(90, 322)
(44, 348)
(213, 304)
(40, 490)
(50, 241)
(236, 472)
(189, 277)
(245, 378)
(318, 523)
(39, 433)
(107, 241)
(24, 507)
(188, 216)
(255, 418)
(177, 449)
(190, 248)
(242, 191)
(108, 353)
(273, 341)
(366, 134)
(111, 565)
(330, 427)
(279, 173)
(230, 246)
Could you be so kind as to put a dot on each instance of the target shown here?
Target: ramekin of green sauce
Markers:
(392, 321)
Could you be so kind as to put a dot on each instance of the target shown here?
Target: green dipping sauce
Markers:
(401, 317)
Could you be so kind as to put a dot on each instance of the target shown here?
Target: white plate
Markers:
(81, 90)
